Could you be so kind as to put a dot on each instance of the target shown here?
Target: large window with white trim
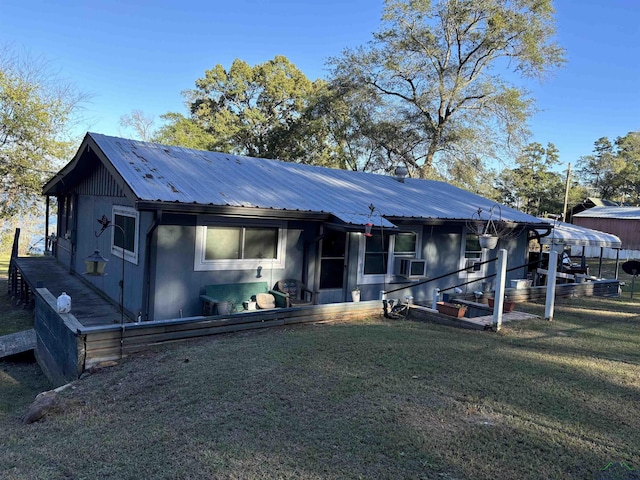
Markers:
(379, 251)
(124, 233)
(240, 246)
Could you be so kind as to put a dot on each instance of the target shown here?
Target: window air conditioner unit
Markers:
(412, 268)
(472, 265)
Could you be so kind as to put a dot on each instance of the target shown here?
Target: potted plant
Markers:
(507, 306)
(488, 241)
(453, 309)
(355, 294)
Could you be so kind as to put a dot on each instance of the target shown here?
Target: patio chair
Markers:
(295, 293)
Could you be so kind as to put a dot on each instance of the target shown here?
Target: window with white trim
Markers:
(472, 255)
(124, 233)
(240, 246)
(379, 251)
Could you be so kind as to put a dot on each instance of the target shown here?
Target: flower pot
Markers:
(355, 295)
(224, 308)
(451, 309)
(506, 306)
(488, 241)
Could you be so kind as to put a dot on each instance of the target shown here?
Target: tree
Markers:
(141, 124)
(434, 65)
(612, 171)
(532, 186)
(183, 132)
(36, 112)
(628, 150)
(261, 111)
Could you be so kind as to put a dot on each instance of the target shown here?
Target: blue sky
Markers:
(141, 54)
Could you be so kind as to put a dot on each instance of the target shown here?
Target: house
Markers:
(624, 222)
(186, 219)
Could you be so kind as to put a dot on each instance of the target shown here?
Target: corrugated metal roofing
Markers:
(626, 213)
(173, 174)
(568, 234)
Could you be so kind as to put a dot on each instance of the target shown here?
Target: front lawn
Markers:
(12, 319)
(370, 399)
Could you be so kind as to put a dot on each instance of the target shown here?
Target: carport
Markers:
(577, 237)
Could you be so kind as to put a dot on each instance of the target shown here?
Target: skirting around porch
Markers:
(66, 348)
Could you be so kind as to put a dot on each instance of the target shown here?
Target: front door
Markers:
(332, 256)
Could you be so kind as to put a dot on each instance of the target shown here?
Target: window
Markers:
(472, 254)
(378, 254)
(227, 243)
(332, 259)
(405, 244)
(241, 247)
(124, 233)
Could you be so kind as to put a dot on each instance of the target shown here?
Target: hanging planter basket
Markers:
(488, 241)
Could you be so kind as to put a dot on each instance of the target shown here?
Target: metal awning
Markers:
(569, 234)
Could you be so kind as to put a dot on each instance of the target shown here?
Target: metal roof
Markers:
(161, 173)
(569, 234)
(625, 213)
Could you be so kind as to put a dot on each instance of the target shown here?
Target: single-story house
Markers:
(186, 219)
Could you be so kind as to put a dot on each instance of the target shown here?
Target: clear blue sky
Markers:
(141, 54)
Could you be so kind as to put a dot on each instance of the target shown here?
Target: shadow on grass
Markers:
(373, 399)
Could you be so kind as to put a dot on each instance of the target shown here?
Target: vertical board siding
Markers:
(627, 230)
(100, 183)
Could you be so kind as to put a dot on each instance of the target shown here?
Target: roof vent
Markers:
(401, 173)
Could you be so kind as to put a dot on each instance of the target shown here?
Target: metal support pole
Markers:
(436, 297)
(551, 285)
(498, 299)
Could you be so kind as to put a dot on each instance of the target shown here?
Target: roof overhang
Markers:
(230, 211)
(79, 166)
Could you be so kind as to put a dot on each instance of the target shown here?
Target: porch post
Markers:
(551, 285)
(498, 297)
(600, 262)
(435, 298)
(46, 225)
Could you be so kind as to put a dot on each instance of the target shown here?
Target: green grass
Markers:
(12, 319)
(371, 399)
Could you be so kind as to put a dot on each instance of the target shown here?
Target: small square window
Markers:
(124, 233)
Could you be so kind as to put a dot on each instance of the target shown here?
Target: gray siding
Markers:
(176, 286)
(441, 248)
(100, 182)
(91, 208)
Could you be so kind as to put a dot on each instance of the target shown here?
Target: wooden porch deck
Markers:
(483, 322)
(87, 305)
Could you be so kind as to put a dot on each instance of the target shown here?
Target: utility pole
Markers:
(566, 194)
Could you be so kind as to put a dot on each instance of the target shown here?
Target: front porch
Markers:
(70, 343)
(90, 308)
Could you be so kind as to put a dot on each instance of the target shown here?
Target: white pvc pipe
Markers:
(551, 285)
(498, 297)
